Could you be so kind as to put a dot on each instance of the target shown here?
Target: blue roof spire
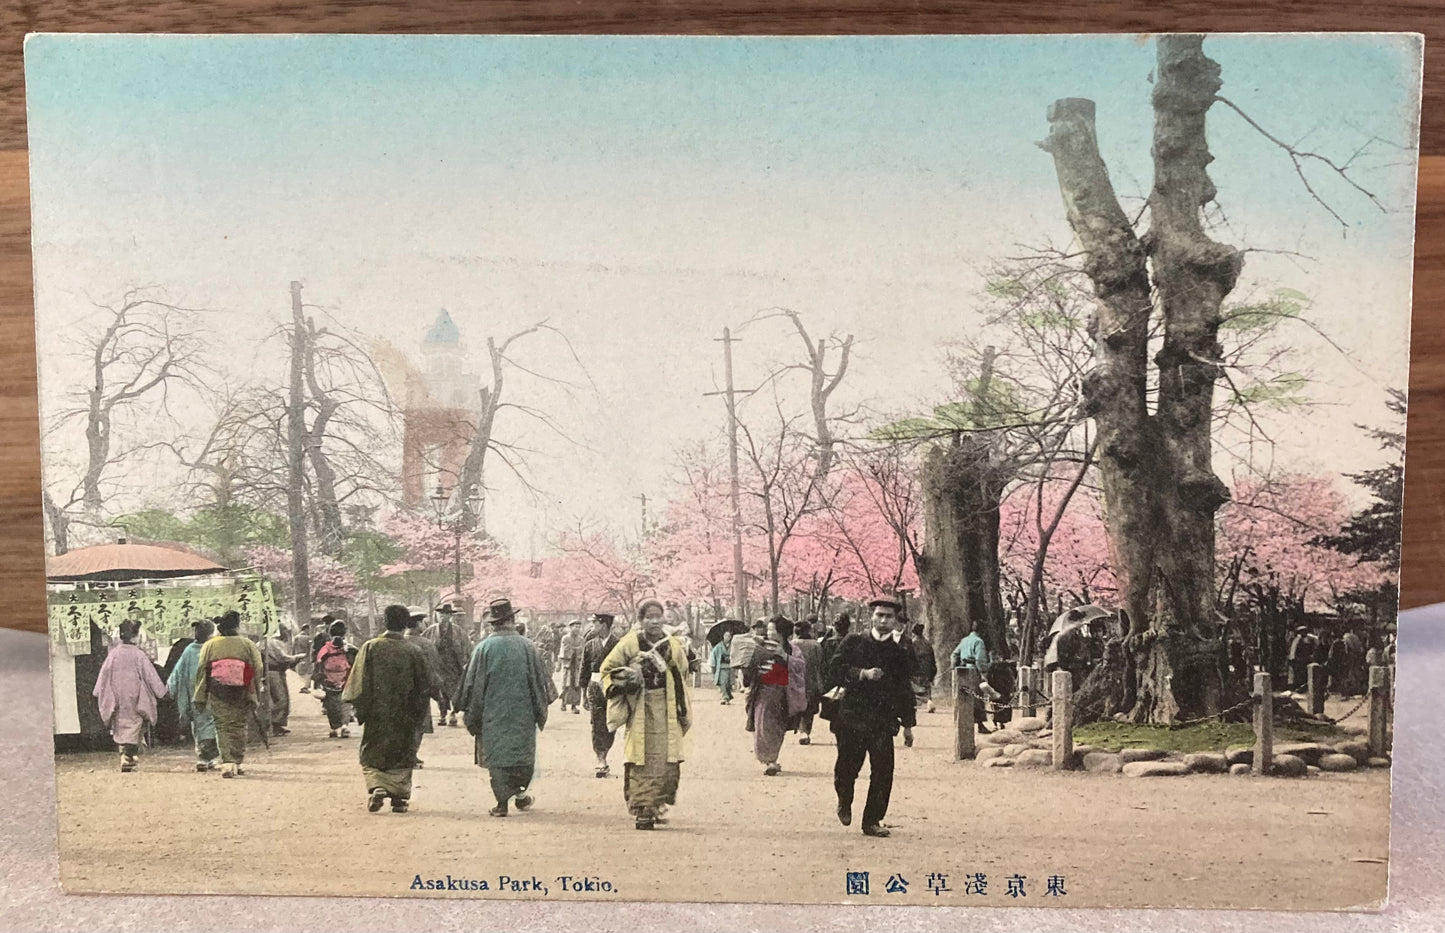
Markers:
(443, 332)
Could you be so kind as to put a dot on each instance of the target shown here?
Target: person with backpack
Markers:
(226, 674)
(333, 666)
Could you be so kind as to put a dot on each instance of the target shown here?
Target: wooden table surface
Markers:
(21, 551)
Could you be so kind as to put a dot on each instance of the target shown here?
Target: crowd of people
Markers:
(634, 681)
(1343, 656)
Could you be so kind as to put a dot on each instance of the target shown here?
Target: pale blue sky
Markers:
(643, 192)
(238, 112)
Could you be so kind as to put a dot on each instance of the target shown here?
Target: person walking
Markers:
(607, 631)
(323, 625)
(301, 645)
(454, 650)
(971, 654)
(829, 645)
(813, 672)
(645, 681)
(126, 691)
(1355, 673)
(873, 669)
(722, 667)
(925, 667)
(389, 687)
(504, 697)
(415, 616)
(1301, 653)
(779, 693)
(569, 659)
(333, 668)
(278, 660)
(227, 673)
(182, 684)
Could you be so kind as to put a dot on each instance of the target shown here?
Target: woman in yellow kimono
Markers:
(645, 681)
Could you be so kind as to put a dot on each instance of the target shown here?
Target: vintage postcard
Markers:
(936, 470)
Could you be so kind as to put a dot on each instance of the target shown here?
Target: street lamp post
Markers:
(469, 504)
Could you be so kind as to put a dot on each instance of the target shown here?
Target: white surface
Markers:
(62, 692)
(30, 897)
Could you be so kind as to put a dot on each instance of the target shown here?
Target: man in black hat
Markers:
(453, 650)
(605, 633)
(874, 670)
(505, 697)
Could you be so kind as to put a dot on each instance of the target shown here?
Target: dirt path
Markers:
(296, 824)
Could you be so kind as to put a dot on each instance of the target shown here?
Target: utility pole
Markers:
(740, 581)
(296, 463)
(643, 497)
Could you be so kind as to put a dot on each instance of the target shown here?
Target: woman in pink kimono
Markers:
(127, 690)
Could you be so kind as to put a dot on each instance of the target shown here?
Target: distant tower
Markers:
(439, 416)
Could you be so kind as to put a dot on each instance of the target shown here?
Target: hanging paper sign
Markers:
(165, 612)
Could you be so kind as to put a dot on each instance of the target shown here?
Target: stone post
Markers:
(1379, 712)
(1063, 719)
(1263, 723)
(1315, 688)
(965, 688)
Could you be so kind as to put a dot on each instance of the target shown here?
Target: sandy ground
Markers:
(297, 824)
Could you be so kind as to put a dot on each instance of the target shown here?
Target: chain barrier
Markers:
(1043, 699)
(1219, 715)
(1011, 706)
(1353, 710)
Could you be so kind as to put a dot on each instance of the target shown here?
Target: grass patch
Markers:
(1203, 737)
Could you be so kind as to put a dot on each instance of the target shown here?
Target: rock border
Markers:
(1021, 750)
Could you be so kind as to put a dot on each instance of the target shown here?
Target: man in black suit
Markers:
(874, 669)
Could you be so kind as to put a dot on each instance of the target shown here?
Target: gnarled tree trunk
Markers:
(1160, 490)
(958, 568)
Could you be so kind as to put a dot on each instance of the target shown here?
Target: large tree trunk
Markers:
(1160, 490)
(59, 523)
(958, 568)
(473, 472)
(296, 463)
(330, 532)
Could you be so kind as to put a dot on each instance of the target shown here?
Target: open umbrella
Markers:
(715, 634)
(1067, 622)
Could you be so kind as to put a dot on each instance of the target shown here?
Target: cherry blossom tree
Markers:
(1076, 565)
(1273, 537)
(331, 582)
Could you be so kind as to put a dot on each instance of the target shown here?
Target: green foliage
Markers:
(1282, 391)
(1282, 304)
(1010, 289)
(153, 525)
(223, 530)
(416, 585)
(1049, 319)
(996, 407)
(365, 553)
(1373, 533)
(1203, 737)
